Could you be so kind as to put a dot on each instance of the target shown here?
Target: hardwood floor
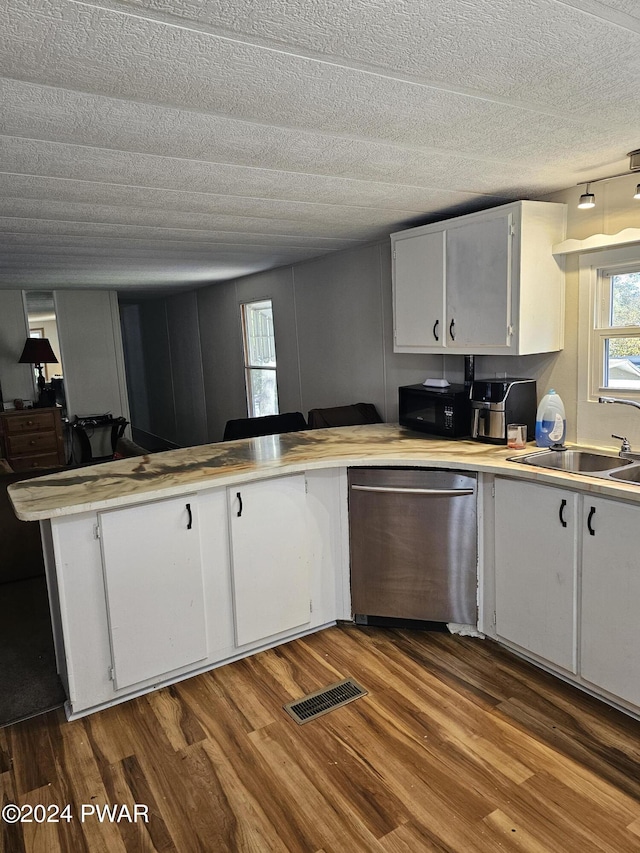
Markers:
(459, 746)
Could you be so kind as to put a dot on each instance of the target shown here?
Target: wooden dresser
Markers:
(32, 438)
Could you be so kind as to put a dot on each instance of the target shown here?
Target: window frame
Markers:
(245, 307)
(602, 331)
(596, 269)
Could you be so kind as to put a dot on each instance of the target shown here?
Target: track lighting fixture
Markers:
(588, 199)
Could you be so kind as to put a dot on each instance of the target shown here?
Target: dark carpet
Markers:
(30, 683)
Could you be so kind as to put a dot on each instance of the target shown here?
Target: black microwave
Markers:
(438, 411)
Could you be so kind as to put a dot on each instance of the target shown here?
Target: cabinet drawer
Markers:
(30, 422)
(30, 443)
(42, 460)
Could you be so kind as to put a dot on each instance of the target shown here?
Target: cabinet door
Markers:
(154, 588)
(536, 569)
(418, 292)
(611, 597)
(270, 557)
(478, 284)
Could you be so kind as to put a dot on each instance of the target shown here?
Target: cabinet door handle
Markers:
(451, 328)
(190, 522)
(435, 329)
(563, 504)
(592, 512)
(239, 496)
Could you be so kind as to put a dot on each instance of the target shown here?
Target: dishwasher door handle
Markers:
(398, 491)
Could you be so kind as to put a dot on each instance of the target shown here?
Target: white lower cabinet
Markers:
(536, 569)
(270, 557)
(154, 591)
(610, 657)
(148, 594)
(570, 595)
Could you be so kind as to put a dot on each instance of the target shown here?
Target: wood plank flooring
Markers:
(459, 746)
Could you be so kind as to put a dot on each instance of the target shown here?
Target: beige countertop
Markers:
(178, 472)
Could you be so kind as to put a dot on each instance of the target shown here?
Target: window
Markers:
(616, 330)
(260, 358)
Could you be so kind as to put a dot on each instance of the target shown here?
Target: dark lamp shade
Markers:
(37, 351)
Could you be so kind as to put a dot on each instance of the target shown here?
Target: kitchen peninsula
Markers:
(163, 566)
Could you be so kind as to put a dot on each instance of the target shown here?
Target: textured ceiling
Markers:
(170, 143)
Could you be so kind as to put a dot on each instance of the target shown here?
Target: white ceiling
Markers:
(170, 143)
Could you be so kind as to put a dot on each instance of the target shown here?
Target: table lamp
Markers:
(37, 351)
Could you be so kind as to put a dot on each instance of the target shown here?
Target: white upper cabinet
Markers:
(419, 309)
(478, 283)
(485, 284)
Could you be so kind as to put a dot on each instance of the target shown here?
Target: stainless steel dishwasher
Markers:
(413, 540)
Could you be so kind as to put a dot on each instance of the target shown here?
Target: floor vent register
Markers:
(325, 700)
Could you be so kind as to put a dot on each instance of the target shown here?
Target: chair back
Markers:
(84, 429)
(357, 413)
(267, 425)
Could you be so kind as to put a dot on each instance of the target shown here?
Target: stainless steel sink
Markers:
(627, 475)
(575, 461)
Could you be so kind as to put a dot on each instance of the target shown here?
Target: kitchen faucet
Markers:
(619, 400)
(625, 450)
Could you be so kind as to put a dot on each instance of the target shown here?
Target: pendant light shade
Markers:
(587, 199)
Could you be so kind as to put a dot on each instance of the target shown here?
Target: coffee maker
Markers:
(498, 402)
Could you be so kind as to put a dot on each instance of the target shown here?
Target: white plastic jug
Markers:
(551, 422)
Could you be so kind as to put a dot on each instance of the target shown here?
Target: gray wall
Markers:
(328, 319)
(186, 370)
(334, 340)
(340, 329)
(221, 342)
(165, 369)
(16, 379)
(333, 328)
(131, 319)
